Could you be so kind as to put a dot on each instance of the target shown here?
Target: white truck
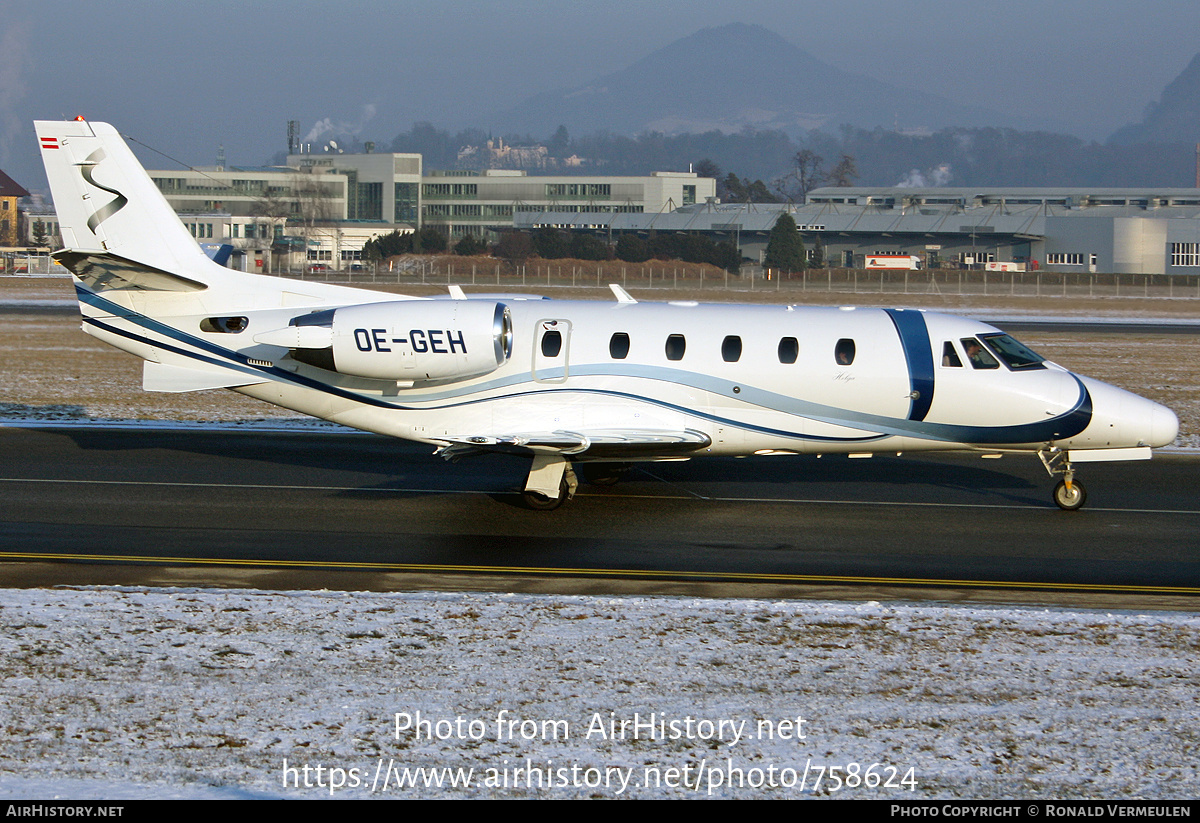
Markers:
(894, 261)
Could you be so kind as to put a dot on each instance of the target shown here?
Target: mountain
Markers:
(1175, 118)
(728, 78)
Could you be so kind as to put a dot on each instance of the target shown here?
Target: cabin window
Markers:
(731, 349)
(675, 346)
(950, 355)
(551, 343)
(978, 355)
(224, 325)
(618, 346)
(789, 350)
(843, 352)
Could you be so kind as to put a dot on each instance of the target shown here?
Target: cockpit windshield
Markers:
(1014, 354)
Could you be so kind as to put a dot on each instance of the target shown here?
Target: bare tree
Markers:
(803, 178)
(313, 205)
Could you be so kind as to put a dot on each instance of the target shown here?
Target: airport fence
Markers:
(35, 265)
(548, 275)
(675, 276)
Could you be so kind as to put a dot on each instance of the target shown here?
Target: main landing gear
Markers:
(551, 482)
(1069, 493)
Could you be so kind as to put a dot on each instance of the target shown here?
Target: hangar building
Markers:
(1146, 231)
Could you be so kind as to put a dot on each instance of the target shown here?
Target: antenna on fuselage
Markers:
(622, 295)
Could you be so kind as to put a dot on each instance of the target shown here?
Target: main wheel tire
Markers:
(541, 503)
(1071, 500)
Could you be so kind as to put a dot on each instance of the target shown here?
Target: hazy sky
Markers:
(186, 77)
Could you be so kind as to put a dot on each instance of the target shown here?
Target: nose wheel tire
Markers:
(1070, 499)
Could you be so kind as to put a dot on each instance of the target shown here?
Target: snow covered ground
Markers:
(136, 693)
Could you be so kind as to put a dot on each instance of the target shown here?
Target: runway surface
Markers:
(356, 511)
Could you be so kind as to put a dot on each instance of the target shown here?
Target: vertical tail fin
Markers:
(120, 233)
(107, 204)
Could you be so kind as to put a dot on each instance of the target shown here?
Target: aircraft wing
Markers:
(593, 443)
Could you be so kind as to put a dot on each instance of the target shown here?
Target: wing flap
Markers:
(594, 443)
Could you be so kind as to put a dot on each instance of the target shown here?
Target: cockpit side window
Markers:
(1014, 354)
(950, 355)
(978, 355)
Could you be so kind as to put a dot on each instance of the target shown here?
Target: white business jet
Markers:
(577, 386)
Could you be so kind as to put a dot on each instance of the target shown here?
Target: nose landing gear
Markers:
(1069, 493)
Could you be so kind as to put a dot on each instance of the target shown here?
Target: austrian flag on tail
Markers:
(49, 142)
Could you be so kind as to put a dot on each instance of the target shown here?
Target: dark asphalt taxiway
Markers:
(355, 511)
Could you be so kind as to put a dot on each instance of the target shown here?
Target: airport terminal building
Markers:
(325, 206)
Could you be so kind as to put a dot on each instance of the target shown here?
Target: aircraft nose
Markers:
(1121, 419)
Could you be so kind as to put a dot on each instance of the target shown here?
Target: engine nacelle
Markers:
(407, 340)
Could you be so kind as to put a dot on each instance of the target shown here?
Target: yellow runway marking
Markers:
(744, 577)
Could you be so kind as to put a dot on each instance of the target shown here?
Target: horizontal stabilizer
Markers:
(166, 378)
(100, 272)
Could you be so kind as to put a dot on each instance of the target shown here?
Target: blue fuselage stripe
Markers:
(914, 337)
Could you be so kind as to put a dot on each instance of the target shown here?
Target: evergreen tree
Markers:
(381, 248)
(785, 249)
(728, 257)
(515, 246)
(589, 247)
(551, 244)
(560, 143)
(430, 240)
(469, 246)
(632, 249)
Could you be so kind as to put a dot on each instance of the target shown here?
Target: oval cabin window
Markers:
(789, 350)
(618, 346)
(843, 352)
(551, 343)
(731, 349)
